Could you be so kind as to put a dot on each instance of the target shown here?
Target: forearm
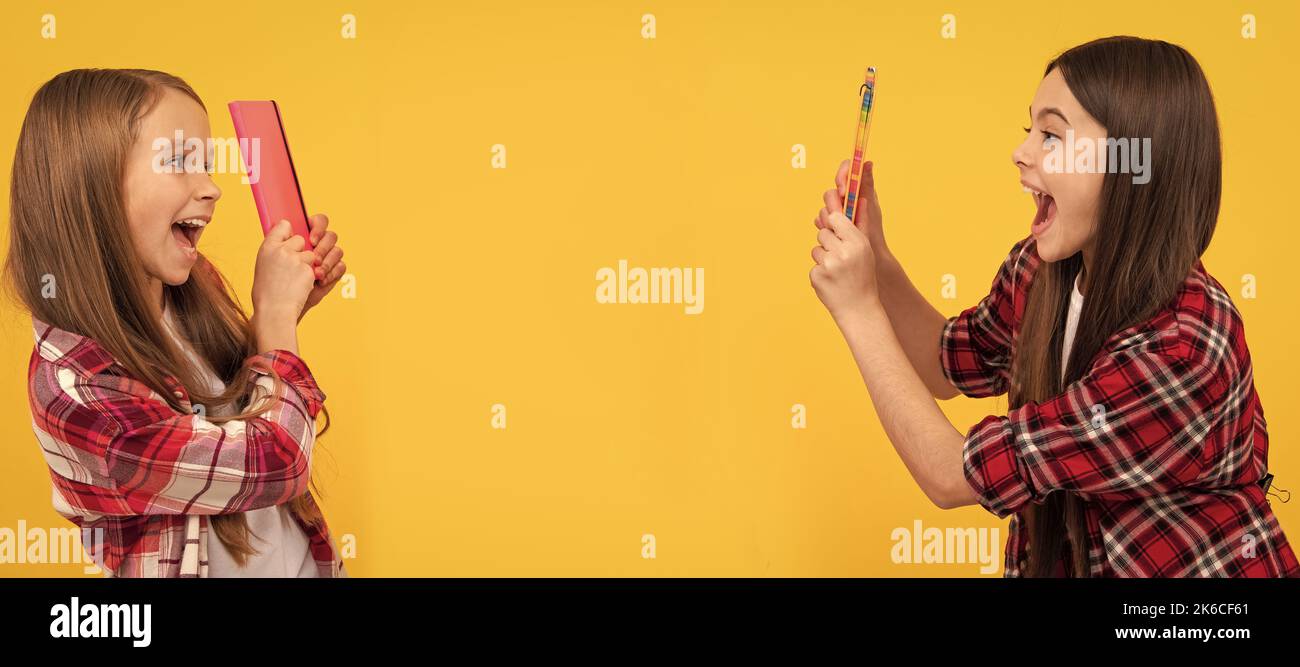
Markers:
(925, 440)
(917, 325)
(275, 331)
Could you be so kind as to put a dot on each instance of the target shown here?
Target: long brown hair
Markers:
(68, 220)
(1149, 238)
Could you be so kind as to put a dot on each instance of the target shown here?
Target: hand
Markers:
(329, 260)
(844, 274)
(282, 278)
(867, 215)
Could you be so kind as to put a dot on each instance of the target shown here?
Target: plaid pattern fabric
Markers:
(1163, 438)
(145, 478)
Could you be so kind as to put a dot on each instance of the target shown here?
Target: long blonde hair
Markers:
(68, 219)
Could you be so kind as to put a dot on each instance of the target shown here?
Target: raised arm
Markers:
(918, 326)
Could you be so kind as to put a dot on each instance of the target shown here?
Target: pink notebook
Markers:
(269, 166)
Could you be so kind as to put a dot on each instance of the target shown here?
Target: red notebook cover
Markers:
(265, 150)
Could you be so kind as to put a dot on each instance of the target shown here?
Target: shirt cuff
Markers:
(293, 370)
(948, 352)
(994, 467)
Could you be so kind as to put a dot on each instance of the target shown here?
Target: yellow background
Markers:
(476, 285)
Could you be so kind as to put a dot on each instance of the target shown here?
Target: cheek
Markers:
(1088, 199)
(143, 231)
(146, 206)
(1077, 196)
(135, 201)
(1080, 211)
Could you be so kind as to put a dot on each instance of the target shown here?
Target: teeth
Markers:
(193, 222)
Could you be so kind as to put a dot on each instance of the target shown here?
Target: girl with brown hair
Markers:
(165, 414)
(1135, 444)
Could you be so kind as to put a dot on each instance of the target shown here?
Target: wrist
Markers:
(885, 260)
(273, 316)
(867, 309)
(275, 330)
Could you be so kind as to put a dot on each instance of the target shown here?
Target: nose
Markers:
(209, 190)
(1022, 157)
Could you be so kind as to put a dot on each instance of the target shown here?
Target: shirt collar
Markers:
(65, 348)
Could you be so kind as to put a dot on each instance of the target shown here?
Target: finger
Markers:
(316, 226)
(326, 264)
(828, 239)
(833, 200)
(307, 257)
(295, 243)
(842, 178)
(336, 273)
(840, 226)
(324, 245)
(818, 253)
(281, 231)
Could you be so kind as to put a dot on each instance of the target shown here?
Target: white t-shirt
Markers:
(283, 548)
(1071, 323)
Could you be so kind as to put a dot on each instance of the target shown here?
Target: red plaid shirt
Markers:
(143, 478)
(1163, 438)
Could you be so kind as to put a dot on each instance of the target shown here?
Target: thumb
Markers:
(280, 232)
(867, 188)
(866, 192)
(842, 178)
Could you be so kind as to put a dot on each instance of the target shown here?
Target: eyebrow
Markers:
(1049, 110)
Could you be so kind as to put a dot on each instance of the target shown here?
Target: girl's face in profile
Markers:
(160, 192)
(1065, 219)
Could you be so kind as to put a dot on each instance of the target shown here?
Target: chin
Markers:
(1053, 250)
(177, 277)
(1047, 251)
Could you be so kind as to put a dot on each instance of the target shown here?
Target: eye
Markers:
(1047, 136)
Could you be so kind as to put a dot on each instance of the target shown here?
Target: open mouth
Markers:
(1045, 213)
(187, 233)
